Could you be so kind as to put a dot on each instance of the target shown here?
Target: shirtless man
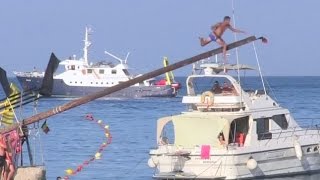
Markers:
(216, 35)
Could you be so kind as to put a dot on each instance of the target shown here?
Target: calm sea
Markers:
(72, 139)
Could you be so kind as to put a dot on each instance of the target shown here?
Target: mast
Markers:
(112, 89)
(87, 44)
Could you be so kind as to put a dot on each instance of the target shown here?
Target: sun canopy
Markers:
(202, 129)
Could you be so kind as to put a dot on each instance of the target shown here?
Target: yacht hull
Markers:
(61, 89)
(273, 163)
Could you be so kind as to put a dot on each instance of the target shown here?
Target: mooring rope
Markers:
(71, 172)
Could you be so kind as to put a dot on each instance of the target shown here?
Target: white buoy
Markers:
(297, 148)
(252, 164)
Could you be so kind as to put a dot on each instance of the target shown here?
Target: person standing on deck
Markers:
(216, 35)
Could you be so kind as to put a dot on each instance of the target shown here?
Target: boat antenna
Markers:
(125, 60)
(235, 38)
(117, 58)
(87, 44)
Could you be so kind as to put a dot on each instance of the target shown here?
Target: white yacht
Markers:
(81, 77)
(228, 132)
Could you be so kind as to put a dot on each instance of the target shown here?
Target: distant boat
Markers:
(80, 78)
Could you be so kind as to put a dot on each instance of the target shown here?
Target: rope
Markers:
(97, 155)
(130, 171)
(257, 58)
(219, 159)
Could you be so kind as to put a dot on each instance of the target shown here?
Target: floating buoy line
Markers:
(108, 138)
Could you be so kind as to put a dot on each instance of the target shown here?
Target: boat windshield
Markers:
(217, 85)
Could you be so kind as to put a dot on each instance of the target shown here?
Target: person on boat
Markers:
(216, 88)
(228, 89)
(216, 35)
(221, 139)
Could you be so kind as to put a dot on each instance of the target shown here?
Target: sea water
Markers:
(72, 139)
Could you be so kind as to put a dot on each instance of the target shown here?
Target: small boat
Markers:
(229, 132)
(81, 77)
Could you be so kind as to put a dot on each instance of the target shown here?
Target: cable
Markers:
(257, 58)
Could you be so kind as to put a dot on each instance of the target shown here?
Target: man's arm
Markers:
(235, 30)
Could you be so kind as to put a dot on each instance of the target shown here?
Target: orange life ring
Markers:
(207, 97)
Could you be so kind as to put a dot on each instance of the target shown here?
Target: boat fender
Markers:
(252, 164)
(297, 148)
(153, 162)
(207, 97)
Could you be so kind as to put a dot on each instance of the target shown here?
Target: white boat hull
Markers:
(61, 89)
(273, 163)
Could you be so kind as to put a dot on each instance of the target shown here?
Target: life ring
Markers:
(207, 97)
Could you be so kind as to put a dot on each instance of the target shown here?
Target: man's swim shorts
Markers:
(212, 37)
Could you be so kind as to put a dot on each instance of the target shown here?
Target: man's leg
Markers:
(221, 42)
(204, 41)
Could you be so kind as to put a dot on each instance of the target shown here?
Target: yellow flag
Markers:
(7, 113)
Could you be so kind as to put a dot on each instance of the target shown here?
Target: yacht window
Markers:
(89, 71)
(167, 135)
(126, 72)
(113, 71)
(280, 120)
(101, 71)
(263, 128)
(262, 125)
(238, 130)
(73, 67)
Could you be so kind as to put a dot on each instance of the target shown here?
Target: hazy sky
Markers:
(149, 29)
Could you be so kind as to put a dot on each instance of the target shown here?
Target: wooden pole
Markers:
(109, 90)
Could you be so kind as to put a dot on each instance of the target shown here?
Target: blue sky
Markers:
(31, 30)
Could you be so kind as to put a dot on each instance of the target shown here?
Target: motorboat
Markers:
(230, 132)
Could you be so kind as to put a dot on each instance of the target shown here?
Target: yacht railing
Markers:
(30, 74)
(309, 129)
